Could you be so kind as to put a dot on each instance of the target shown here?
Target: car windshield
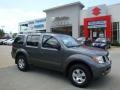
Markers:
(69, 41)
(103, 40)
(81, 39)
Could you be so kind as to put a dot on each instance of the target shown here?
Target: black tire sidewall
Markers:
(86, 71)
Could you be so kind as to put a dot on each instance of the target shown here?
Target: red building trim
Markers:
(108, 28)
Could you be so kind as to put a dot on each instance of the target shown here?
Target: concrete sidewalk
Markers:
(5, 56)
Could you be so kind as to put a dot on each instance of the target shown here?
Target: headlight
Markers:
(98, 59)
(109, 56)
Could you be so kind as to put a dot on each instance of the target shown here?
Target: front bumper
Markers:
(102, 69)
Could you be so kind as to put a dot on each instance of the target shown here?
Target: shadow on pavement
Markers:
(102, 82)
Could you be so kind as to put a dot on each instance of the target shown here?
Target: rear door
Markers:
(32, 48)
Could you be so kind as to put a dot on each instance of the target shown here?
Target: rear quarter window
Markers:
(33, 40)
(19, 40)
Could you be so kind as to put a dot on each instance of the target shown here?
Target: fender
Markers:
(22, 51)
(80, 58)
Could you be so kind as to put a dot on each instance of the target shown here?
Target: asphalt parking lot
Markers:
(38, 79)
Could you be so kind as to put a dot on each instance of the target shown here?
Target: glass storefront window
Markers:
(81, 31)
(115, 34)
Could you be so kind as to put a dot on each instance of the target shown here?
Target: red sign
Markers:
(96, 11)
(101, 18)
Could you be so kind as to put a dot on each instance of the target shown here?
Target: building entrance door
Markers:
(97, 33)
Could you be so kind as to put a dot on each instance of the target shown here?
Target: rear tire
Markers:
(22, 63)
(79, 75)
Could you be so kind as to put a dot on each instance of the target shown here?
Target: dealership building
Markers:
(73, 19)
(37, 25)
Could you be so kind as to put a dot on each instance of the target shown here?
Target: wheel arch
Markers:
(18, 54)
(77, 62)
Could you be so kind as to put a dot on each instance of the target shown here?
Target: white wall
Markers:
(72, 11)
(114, 11)
(83, 15)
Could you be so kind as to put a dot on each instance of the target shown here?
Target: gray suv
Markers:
(61, 53)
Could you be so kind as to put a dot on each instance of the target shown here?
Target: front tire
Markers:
(79, 75)
(22, 63)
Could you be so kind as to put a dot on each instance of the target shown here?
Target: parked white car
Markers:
(9, 41)
(1, 41)
(81, 40)
(5, 41)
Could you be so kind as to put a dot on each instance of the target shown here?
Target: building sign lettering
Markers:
(97, 24)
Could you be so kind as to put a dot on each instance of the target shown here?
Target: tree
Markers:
(2, 33)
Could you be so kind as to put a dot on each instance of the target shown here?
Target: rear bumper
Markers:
(101, 69)
(103, 47)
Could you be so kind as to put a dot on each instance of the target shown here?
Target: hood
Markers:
(90, 51)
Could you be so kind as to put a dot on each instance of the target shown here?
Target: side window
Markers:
(33, 40)
(49, 42)
(19, 40)
(29, 40)
(45, 37)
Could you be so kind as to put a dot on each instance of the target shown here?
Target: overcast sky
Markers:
(14, 11)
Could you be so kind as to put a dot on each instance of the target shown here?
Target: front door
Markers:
(51, 55)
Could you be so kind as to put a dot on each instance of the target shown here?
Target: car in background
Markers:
(2, 41)
(103, 43)
(9, 41)
(81, 40)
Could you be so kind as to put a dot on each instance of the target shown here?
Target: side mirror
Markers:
(58, 47)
